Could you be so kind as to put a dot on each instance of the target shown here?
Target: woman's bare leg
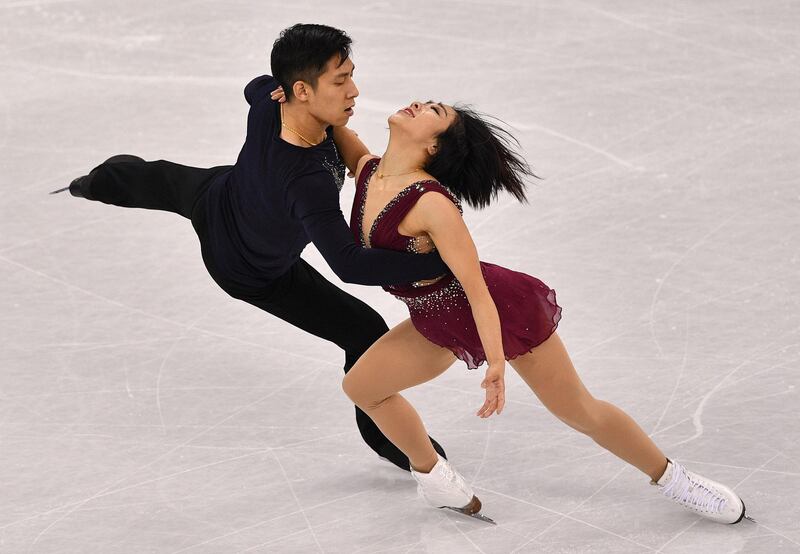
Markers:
(400, 359)
(549, 372)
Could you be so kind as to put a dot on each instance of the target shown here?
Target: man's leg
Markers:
(304, 298)
(158, 185)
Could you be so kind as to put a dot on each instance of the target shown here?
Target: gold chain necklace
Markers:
(382, 175)
(304, 139)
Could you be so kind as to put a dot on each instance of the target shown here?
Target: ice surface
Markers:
(143, 410)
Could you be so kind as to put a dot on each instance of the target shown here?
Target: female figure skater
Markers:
(477, 311)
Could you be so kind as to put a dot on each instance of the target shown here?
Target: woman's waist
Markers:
(491, 273)
(420, 288)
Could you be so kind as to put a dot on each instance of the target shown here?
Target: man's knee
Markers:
(363, 336)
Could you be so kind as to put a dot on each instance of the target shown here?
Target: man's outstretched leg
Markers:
(304, 298)
(79, 187)
(130, 182)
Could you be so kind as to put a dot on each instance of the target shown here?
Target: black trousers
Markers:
(301, 296)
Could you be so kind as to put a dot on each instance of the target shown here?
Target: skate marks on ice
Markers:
(630, 111)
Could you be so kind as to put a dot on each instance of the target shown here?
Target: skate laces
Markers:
(453, 476)
(687, 489)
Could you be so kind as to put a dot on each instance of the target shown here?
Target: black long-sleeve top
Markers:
(278, 197)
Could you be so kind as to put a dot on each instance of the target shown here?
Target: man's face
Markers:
(332, 100)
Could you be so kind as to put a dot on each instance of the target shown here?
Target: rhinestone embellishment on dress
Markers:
(435, 301)
(419, 186)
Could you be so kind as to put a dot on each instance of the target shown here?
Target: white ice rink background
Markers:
(143, 410)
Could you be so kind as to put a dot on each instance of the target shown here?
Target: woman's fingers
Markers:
(495, 399)
(485, 407)
(501, 396)
(495, 387)
(278, 95)
(488, 407)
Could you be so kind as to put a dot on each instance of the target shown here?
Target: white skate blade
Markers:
(478, 516)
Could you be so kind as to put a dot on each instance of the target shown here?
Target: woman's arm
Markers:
(256, 89)
(440, 218)
(350, 147)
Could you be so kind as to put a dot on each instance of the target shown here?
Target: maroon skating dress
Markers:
(440, 311)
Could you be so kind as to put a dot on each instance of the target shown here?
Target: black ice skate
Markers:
(79, 187)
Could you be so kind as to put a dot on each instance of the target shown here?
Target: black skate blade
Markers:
(59, 190)
(744, 514)
(478, 516)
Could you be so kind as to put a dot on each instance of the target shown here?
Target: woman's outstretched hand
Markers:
(495, 386)
(278, 95)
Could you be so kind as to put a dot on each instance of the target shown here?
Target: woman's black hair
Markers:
(475, 159)
(301, 52)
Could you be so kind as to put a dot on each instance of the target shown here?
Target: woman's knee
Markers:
(360, 395)
(350, 388)
(586, 416)
(355, 390)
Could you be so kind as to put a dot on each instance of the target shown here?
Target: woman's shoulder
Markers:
(443, 197)
(366, 163)
(367, 160)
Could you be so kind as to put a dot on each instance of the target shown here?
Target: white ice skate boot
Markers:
(444, 487)
(703, 496)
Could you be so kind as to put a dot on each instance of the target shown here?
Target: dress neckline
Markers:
(367, 241)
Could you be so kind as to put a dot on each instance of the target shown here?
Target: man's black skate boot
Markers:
(80, 187)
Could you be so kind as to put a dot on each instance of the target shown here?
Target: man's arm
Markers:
(314, 200)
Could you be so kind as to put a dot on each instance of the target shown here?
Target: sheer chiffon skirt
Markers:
(527, 307)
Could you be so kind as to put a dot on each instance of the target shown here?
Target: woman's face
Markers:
(422, 122)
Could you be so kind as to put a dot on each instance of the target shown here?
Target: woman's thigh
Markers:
(549, 372)
(400, 359)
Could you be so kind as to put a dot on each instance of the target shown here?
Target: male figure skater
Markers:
(254, 218)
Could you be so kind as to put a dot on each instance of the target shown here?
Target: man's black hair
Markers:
(301, 52)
